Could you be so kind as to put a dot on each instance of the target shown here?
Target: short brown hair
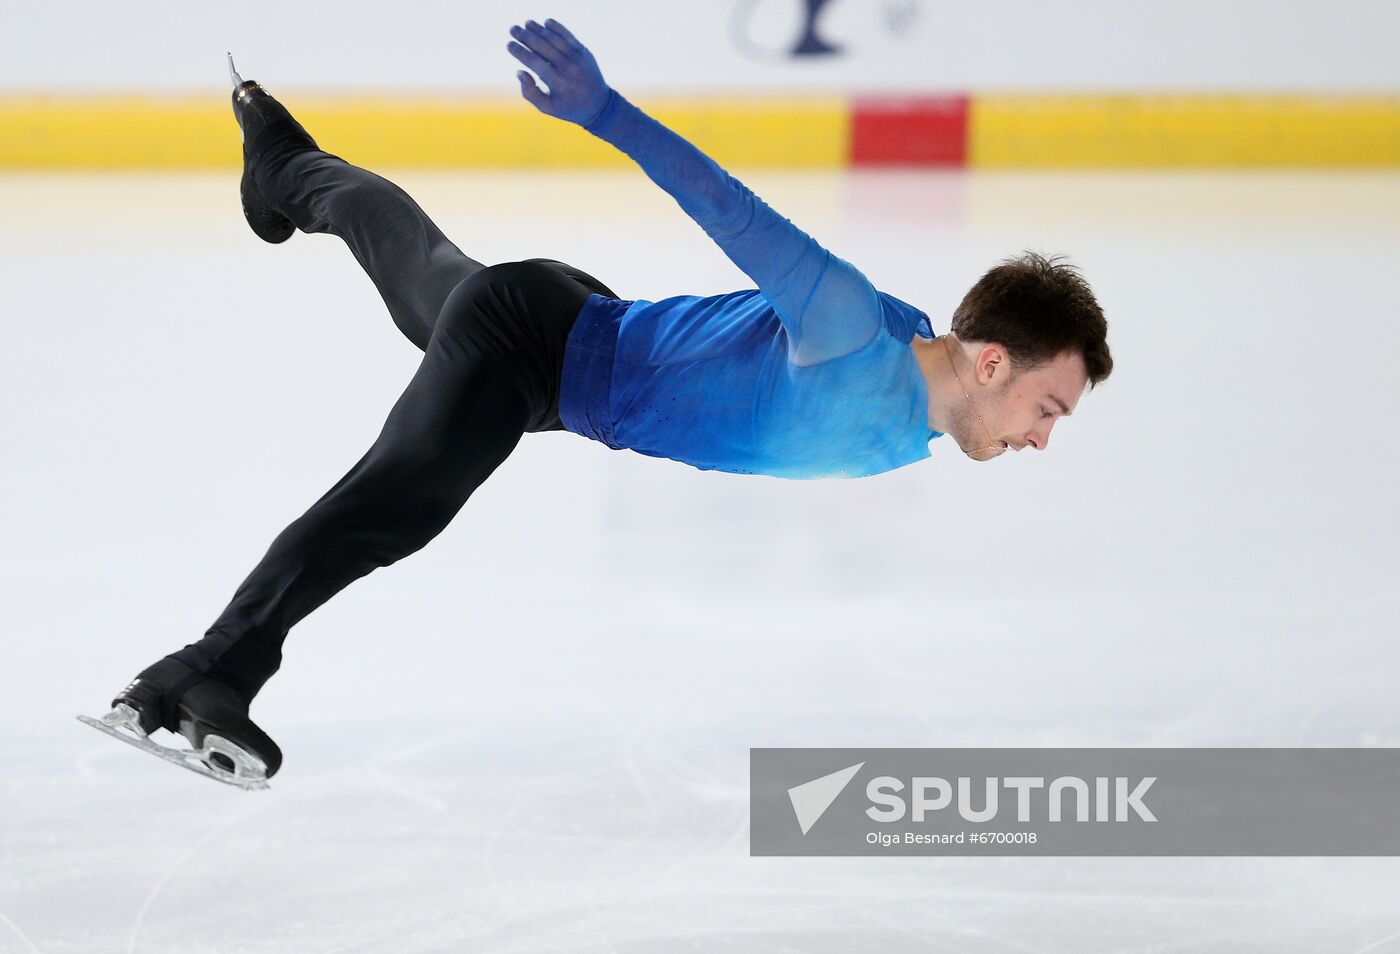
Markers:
(1037, 308)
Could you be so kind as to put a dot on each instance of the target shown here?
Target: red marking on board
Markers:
(909, 131)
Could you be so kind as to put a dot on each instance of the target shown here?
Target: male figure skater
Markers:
(814, 373)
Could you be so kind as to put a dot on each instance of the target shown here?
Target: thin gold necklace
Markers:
(995, 444)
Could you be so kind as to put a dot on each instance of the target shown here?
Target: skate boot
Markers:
(170, 695)
(263, 122)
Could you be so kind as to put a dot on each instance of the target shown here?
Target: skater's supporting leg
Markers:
(410, 261)
(490, 372)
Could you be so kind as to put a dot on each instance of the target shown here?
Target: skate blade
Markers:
(250, 773)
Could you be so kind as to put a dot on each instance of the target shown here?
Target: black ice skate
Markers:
(263, 122)
(227, 745)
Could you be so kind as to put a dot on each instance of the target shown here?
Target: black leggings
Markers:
(493, 349)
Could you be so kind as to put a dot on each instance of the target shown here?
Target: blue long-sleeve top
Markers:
(809, 375)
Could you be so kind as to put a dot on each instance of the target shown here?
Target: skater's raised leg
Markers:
(289, 180)
(412, 264)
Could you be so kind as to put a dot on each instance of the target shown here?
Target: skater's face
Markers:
(1017, 410)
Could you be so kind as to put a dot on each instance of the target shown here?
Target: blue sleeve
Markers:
(827, 307)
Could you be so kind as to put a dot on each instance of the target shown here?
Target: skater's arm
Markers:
(826, 305)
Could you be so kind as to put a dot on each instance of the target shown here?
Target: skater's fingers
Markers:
(558, 46)
(554, 26)
(533, 60)
(535, 43)
(532, 93)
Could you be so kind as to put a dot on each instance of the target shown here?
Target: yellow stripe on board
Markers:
(1005, 131)
(1183, 131)
(43, 132)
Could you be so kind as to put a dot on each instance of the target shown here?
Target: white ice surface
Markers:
(533, 735)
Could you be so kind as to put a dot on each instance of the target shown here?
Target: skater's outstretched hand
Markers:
(577, 92)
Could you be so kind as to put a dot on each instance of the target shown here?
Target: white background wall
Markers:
(458, 45)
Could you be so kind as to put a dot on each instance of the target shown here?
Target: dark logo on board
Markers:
(766, 30)
(795, 30)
